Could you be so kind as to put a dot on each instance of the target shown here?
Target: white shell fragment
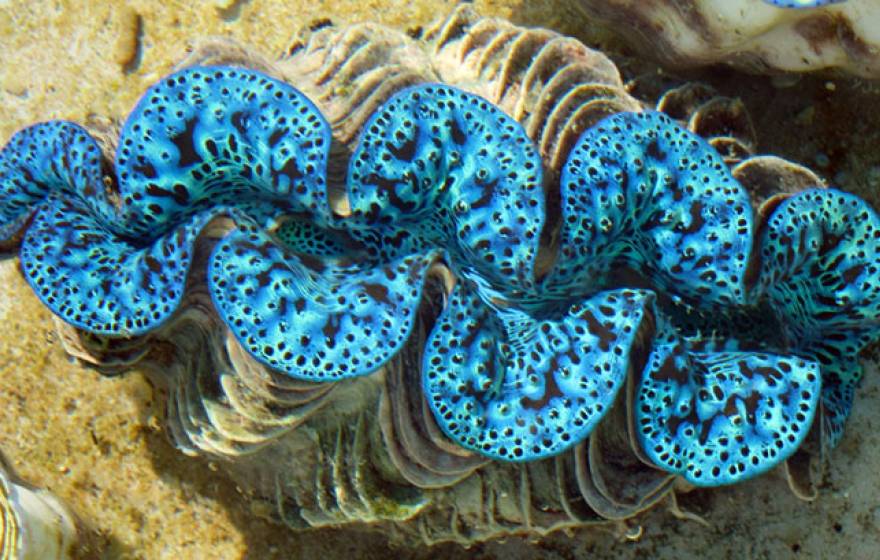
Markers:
(34, 524)
(752, 35)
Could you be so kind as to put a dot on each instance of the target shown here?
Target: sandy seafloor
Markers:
(98, 442)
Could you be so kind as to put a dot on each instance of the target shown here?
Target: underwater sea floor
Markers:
(98, 443)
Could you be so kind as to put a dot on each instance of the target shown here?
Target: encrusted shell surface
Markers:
(34, 524)
(753, 35)
(368, 450)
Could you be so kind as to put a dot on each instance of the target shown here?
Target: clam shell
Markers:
(34, 524)
(367, 450)
(751, 35)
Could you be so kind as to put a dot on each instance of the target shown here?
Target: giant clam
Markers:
(399, 269)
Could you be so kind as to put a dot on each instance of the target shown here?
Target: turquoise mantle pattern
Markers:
(738, 327)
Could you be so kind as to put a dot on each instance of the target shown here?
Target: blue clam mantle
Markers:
(802, 3)
(657, 246)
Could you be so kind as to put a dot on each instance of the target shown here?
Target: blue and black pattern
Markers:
(210, 136)
(314, 318)
(803, 3)
(100, 282)
(438, 166)
(642, 192)
(735, 332)
(301, 235)
(820, 273)
(517, 387)
(42, 159)
(724, 416)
